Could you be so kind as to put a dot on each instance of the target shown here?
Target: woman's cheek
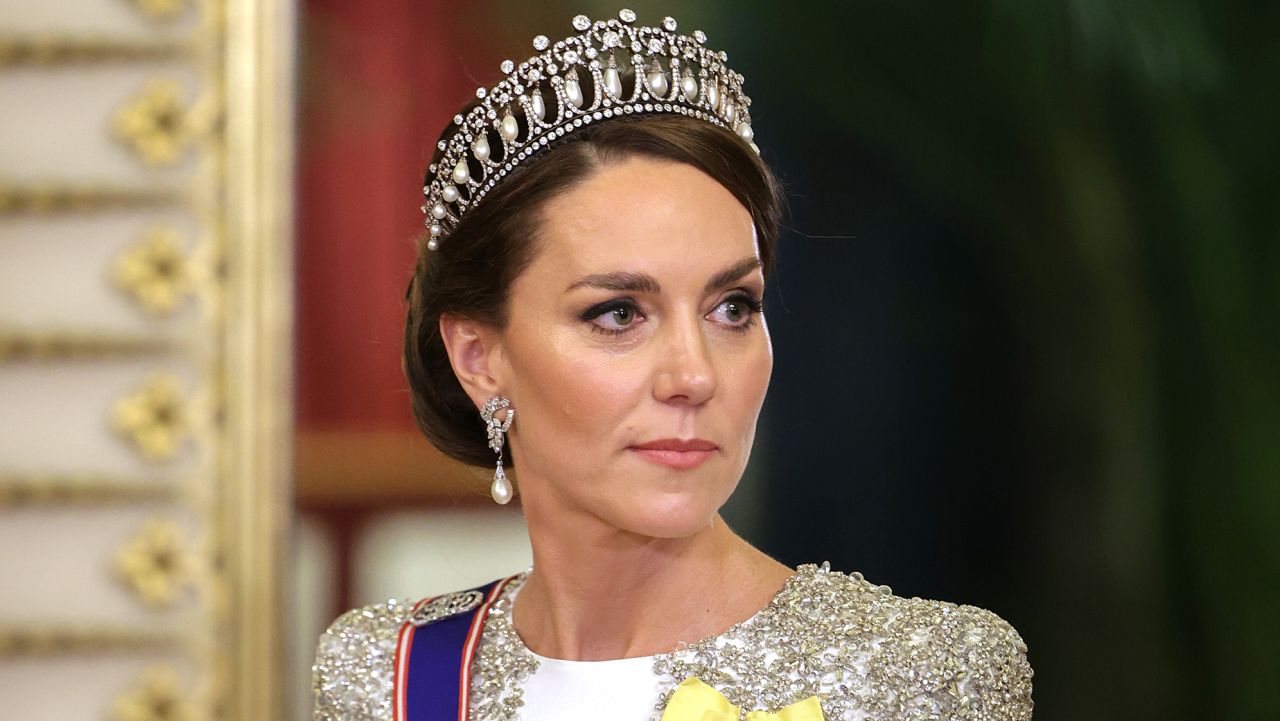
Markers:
(581, 381)
(748, 384)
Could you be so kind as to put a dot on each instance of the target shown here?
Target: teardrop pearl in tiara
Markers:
(501, 489)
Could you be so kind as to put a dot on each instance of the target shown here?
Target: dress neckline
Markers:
(503, 662)
(512, 637)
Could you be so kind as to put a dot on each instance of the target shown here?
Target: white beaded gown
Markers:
(867, 655)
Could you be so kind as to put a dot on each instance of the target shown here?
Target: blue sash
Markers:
(434, 652)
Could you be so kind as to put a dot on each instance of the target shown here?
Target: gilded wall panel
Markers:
(110, 18)
(86, 120)
(145, 336)
(65, 272)
(105, 687)
(66, 568)
(59, 417)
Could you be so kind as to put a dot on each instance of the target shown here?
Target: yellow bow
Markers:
(696, 701)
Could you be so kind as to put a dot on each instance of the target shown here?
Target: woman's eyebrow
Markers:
(619, 280)
(732, 273)
(645, 283)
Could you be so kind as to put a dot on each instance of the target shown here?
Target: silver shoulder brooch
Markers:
(442, 607)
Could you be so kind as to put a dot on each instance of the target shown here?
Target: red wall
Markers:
(378, 81)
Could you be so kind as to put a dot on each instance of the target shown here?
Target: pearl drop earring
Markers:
(501, 488)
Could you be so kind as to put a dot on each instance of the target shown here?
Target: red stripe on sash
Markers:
(404, 642)
(468, 651)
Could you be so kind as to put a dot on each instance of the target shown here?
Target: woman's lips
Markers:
(677, 453)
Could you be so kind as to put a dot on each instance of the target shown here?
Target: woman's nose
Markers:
(686, 371)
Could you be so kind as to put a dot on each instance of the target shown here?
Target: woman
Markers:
(600, 231)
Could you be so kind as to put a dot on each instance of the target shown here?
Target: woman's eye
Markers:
(739, 311)
(623, 315)
(614, 319)
(734, 311)
(617, 317)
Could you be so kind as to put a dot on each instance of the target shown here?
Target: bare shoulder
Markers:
(922, 658)
(352, 678)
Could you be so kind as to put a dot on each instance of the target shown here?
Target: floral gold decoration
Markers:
(155, 272)
(161, 10)
(160, 697)
(155, 564)
(154, 418)
(156, 124)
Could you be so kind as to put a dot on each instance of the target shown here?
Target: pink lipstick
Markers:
(677, 452)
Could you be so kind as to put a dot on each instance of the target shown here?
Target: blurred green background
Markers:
(1024, 319)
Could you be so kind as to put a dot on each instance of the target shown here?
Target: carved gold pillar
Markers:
(145, 357)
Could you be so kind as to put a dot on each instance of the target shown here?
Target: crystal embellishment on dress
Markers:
(826, 633)
(443, 607)
(354, 671)
(567, 86)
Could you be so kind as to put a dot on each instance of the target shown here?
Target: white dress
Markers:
(576, 690)
(866, 654)
(561, 690)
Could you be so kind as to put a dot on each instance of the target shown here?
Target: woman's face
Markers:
(636, 324)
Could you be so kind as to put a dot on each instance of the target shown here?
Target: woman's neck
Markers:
(608, 594)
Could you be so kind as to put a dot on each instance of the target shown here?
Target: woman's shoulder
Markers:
(860, 606)
(353, 677)
(912, 656)
(866, 654)
(354, 666)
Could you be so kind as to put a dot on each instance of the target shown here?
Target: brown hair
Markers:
(471, 272)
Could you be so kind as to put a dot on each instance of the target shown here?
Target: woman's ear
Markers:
(475, 352)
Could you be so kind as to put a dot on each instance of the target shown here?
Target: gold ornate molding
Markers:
(49, 50)
(70, 639)
(83, 490)
(258, 337)
(156, 272)
(157, 563)
(60, 197)
(159, 696)
(155, 418)
(161, 10)
(158, 126)
(50, 346)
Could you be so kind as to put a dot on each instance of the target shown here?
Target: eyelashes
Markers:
(626, 311)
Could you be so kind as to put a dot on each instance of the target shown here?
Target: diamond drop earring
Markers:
(501, 488)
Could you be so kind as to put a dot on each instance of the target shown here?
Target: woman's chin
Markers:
(668, 515)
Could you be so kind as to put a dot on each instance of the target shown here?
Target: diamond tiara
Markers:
(673, 74)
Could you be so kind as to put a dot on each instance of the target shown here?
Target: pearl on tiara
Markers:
(569, 84)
